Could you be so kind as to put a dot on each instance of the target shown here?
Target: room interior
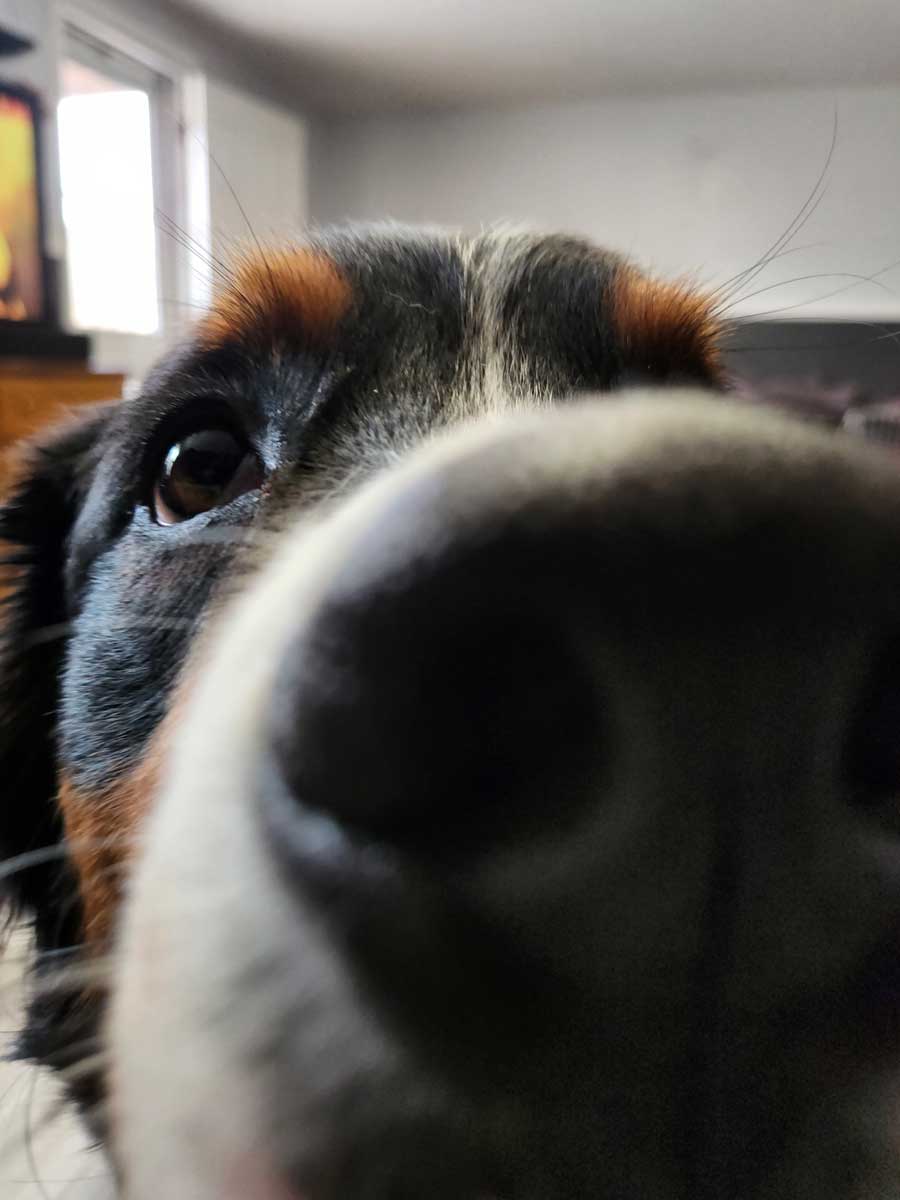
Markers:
(763, 166)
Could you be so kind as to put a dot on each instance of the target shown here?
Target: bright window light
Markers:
(108, 210)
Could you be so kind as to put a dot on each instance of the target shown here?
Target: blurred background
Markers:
(695, 136)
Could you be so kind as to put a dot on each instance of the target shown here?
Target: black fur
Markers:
(98, 627)
(36, 524)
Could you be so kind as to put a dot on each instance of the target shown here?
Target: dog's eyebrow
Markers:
(660, 324)
(294, 296)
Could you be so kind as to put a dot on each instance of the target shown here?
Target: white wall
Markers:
(700, 184)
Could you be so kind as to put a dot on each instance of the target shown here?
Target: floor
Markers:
(44, 1154)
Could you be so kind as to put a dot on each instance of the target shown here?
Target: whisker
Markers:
(803, 215)
(184, 130)
(194, 252)
(711, 289)
(769, 312)
(735, 294)
(245, 218)
(856, 276)
(31, 858)
(220, 170)
(219, 268)
(888, 336)
(204, 254)
(223, 175)
(51, 853)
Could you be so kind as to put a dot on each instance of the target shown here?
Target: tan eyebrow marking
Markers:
(661, 325)
(295, 296)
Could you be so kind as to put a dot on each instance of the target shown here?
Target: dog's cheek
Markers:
(99, 830)
(103, 825)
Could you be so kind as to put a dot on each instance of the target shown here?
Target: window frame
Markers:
(87, 32)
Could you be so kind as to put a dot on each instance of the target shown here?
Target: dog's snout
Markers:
(871, 762)
(635, 644)
(564, 771)
(445, 708)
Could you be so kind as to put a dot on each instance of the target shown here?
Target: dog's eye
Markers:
(204, 470)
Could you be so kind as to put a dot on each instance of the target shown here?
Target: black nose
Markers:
(514, 628)
(583, 757)
(449, 702)
(585, 749)
(654, 650)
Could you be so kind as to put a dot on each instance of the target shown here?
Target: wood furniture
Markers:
(34, 393)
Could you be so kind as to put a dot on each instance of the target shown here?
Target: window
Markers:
(112, 179)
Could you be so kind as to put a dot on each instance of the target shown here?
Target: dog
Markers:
(450, 748)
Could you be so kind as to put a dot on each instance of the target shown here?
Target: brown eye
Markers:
(204, 470)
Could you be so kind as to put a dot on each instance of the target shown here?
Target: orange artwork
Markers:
(21, 284)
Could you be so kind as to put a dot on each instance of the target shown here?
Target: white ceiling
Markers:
(347, 54)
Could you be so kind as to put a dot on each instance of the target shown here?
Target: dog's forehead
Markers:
(340, 352)
(545, 312)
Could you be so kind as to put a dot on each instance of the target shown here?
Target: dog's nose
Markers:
(450, 698)
(653, 654)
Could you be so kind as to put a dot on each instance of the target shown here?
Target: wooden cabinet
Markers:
(35, 394)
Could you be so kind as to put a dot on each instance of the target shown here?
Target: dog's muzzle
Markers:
(534, 833)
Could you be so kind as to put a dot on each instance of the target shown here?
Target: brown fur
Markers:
(278, 296)
(657, 321)
(102, 828)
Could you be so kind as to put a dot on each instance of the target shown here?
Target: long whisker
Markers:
(172, 229)
(31, 858)
(892, 335)
(714, 291)
(52, 853)
(857, 281)
(806, 210)
(223, 175)
(745, 278)
(856, 277)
